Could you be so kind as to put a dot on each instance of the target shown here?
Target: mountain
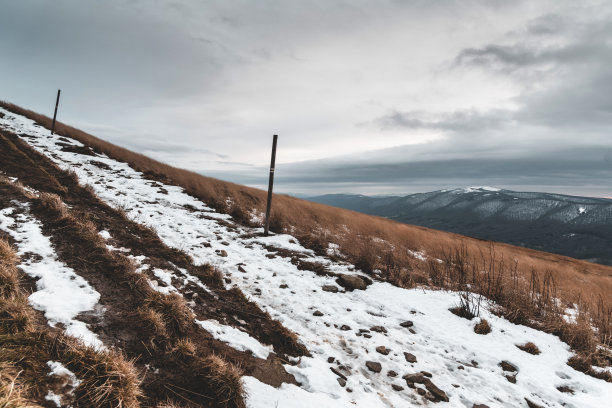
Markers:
(579, 227)
(124, 288)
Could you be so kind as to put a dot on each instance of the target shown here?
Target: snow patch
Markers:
(235, 338)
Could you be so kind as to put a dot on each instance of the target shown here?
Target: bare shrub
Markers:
(482, 327)
(529, 347)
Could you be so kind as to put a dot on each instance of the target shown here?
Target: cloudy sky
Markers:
(374, 97)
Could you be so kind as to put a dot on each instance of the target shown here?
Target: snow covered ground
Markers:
(61, 294)
(342, 330)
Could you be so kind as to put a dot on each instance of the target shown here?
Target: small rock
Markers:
(397, 387)
(438, 393)
(270, 256)
(374, 366)
(565, 388)
(506, 366)
(317, 313)
(532, 404)
(227, 280)
(455, 385)
(351, 282)
(411, 358)
(331, 359)
(391, 373)
(225, 243)
(284, 286)
(364, 331)
(421, 391)
(330, 288)
(412, 331)
(511, 378)
(378, 329)
(338, 373)
(221, 252)
(341, 381)
(345, 327)
(480, 406)
(410, 384)
(367, 336)
(461, 367)
(383, 350)
(414, 378)
(426, 374)
(407, 323)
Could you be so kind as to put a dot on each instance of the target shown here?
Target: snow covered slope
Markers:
(379, 347)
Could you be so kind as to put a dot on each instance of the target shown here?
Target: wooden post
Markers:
(55, 113)
(270, 184)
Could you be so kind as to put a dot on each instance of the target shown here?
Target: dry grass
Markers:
(108, 380)
(529, 348)
(482, 327)
(225, 379)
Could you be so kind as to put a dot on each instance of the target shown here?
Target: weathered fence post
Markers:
(55, 113)
(270, 184)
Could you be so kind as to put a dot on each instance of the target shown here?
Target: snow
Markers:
(235, 338)
(61, 294)
(581, 210)
(442, 342)
(58, 368)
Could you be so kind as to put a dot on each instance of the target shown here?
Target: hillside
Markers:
(579, 227)
(179, 300)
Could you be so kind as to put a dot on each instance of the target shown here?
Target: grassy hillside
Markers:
(531, 286)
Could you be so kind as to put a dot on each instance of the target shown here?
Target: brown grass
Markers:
(529, 348)
(482, 327)
(108, 380)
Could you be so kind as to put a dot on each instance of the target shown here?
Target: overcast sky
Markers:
(374, 97)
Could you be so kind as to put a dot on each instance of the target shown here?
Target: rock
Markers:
(227, 280)
(412, 331)
(345, 327)
(397, 387)
(284, 286)
(270, 256)
(364, 331)
(391, 373)
(317, 313)
(378, 329)
(221, 252)
(426, 374)
(383, 350)
(532, 404)
(461, 367)
(367, 336)
(407, 324)
(421, 391)
(506, 366)
(225, 243)
(351, 282)
(414, 378)
(438, 393)
(341, 381)
(331, 359)
(565, 388)
(330, 288)
(338, 373)
(374, 366)
(411, 358)
(480, 406)
(511, 378)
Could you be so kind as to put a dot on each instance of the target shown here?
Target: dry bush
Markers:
(224, 379)
(107, 378)
(176, 315)
(530, 348)
(482, 327)
(153, 321)
(184, 347)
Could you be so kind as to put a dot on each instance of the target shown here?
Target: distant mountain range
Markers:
(579, 227)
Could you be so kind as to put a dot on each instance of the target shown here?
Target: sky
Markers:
(370, 97)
